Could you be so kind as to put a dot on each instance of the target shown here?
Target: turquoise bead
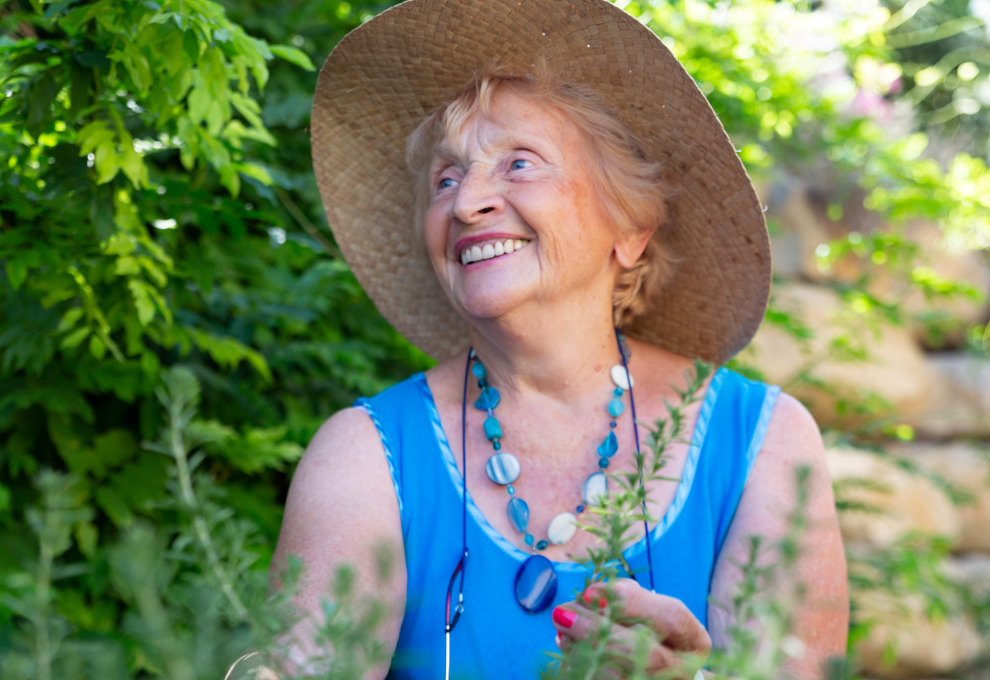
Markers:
(603, 463)
(618, 392)
(511, 490)
(492, 429)
(478, 369)
(518, 512)
(542, 545)
(616, 407)
(488, 399)
(528, 539)
(608, 447)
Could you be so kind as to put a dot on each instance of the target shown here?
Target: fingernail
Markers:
(564, 617)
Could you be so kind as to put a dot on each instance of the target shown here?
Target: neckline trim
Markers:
(660, 528)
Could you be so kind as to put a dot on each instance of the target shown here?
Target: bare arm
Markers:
(342, 510)
(821, 617)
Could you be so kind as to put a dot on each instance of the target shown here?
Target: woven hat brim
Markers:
(387, 75)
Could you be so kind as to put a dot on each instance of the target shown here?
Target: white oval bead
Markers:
(595, 489)
(621, 377)
(562, 528)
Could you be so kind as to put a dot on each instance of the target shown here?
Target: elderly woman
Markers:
(575, 230)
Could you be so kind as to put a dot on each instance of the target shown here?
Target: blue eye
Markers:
(446, 183)
(519, 164)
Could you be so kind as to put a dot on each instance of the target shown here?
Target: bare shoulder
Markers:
(345, 453)
(342, 504)
(792, 437)
(789, 469)
(349, 438)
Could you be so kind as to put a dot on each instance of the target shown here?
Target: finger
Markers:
(627, 646)
(670, 619)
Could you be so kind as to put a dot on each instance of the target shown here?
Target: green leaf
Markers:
(141, 294)
(293, 56)
(16, 272)
(97, 347)
(255, 172)
(111, 502)
(74, 338)
(87, 538)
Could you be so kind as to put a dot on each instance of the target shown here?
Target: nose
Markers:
(477, 196)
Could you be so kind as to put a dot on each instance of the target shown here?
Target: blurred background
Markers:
(176, 321)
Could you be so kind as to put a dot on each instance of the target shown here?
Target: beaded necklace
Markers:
(536, 581)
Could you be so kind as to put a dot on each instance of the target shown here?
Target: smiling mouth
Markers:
(492, 249)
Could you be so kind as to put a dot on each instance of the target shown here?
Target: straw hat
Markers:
(387, 75)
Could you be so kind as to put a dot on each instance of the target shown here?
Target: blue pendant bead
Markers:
(536, 584)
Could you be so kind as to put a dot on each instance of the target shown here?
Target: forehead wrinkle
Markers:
(499, 130)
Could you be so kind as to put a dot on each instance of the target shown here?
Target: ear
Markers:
(628, 247)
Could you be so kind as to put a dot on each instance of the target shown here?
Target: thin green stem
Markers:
(178, 450)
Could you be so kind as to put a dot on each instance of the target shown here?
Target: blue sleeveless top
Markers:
(495, 637)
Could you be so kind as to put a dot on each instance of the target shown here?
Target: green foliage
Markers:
(155, 185)
(157, 210)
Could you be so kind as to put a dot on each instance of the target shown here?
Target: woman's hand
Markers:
(675, 637)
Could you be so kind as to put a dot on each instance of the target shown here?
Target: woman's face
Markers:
(515, 219)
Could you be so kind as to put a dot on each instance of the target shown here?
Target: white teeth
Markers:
(488, 251)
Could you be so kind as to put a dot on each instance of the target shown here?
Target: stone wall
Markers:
(920, 417)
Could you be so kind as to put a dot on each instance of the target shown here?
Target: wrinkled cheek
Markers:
(434, 239)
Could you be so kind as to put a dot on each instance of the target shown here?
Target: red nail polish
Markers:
(589, 599)
(564, 617)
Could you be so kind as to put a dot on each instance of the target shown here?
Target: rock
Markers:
(922, 645)
(971, 571)
(958, 404)
(828, 372)
(797, 229)
(966, 466)
(889, 502)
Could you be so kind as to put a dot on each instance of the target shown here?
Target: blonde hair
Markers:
(631, 185)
